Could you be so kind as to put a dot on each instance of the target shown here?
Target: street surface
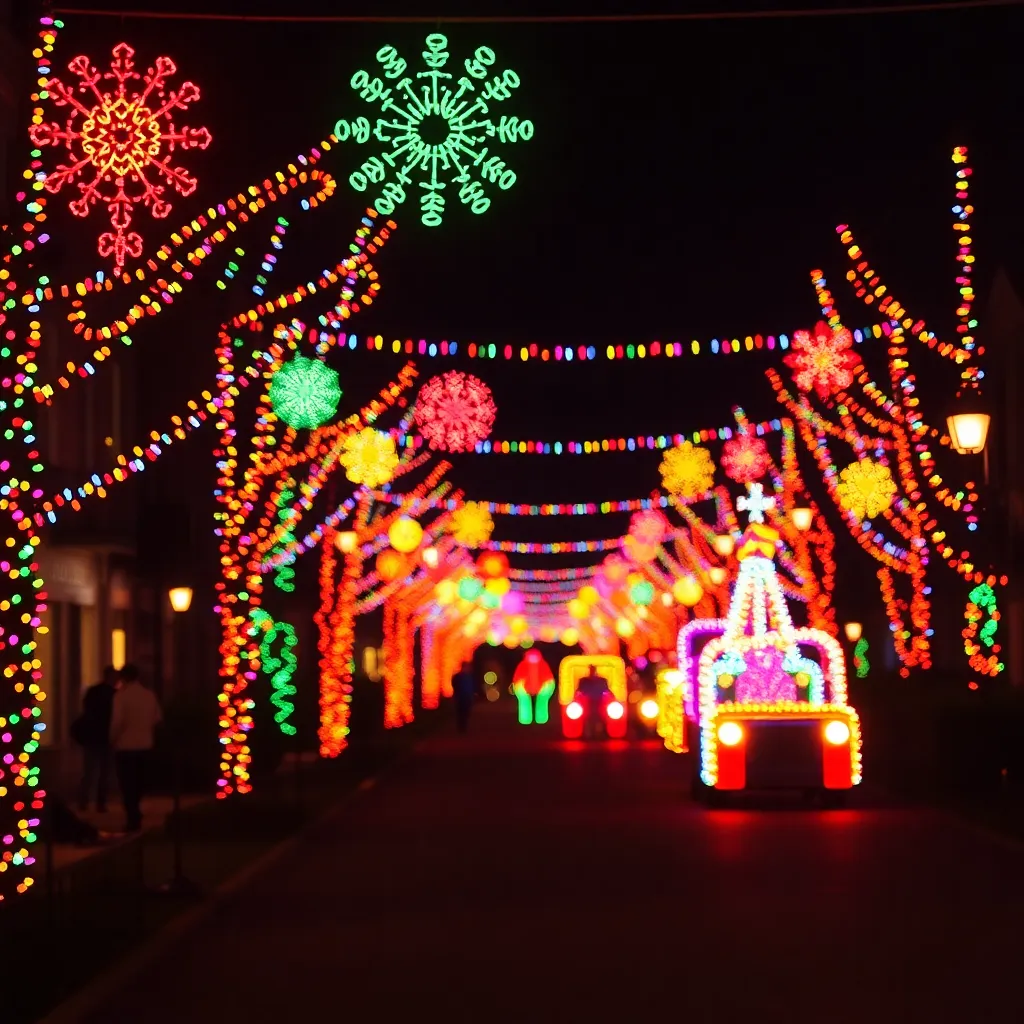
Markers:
(508, 876)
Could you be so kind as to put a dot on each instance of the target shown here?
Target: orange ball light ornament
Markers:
(492, 565)
(390, 565)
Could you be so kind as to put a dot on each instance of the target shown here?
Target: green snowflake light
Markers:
(440, 129)
(304, 392)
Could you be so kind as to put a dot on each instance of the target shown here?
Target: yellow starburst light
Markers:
(866, 488)
(471, 524)
(687, 470)
(369, 457)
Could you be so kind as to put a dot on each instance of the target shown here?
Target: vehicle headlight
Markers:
(729, 734)
(837, 732)
(649, 708)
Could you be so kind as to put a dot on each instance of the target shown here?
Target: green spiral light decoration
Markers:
(860, 658)
(285, 575)
(280, 668)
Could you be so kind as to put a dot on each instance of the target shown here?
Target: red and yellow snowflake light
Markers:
(471, 524)
(455, 411)
(745, 458)
(369, 457)
(120, 143)
(866, 488)
(687, 471)
(823, 360)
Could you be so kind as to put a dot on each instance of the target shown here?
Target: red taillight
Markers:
(574, 710)
(614, 710)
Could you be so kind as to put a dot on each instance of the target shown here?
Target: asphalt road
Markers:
(507, 876)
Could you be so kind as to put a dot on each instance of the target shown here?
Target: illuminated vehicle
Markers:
(770, 700)
(587, 712)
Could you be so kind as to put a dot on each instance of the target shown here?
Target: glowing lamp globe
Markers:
(445, 592)
(854, 631)
(499, 585)
(577, 608)
(390, 565)
(490, 600)
(802, 518)
(624, 628)
(430, 557)
(518, 624)
(405, 535)
(512, 603)
(511, 641)
(470, 588)
(492, 564)
(637, 550)
(570, 637)
(589, 595)
(615, 569)
(304, 393)
(642, 593)
(724, 544)
(717, 575)
(346, 541)
(968, 431)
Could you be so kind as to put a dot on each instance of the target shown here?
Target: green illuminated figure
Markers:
(437, 125)
(533, 684)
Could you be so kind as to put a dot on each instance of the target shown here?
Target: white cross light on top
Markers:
(755, 503)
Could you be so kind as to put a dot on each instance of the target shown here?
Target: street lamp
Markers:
(179, 884)
(802, 518)
(854, 631)
(968, 430)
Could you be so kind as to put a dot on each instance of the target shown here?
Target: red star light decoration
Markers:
(120, 143)
(744, 458)
(454, 411)
(823, 360)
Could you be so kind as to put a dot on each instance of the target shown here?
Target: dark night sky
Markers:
(682, 181)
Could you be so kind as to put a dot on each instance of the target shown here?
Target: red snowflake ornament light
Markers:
(745, 458)
(454, 412)
(120, 143)
(823, 360)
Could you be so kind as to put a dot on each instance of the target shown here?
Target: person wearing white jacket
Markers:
(133, 723)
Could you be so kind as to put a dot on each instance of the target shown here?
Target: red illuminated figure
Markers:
(120, 143)
(533, 684)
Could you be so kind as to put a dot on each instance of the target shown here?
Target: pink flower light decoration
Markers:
(745, 458)
(765, 680)
(649, 526)
(454, 411)
(823, 361)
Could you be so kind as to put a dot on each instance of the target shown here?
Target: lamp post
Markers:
(179, 885)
